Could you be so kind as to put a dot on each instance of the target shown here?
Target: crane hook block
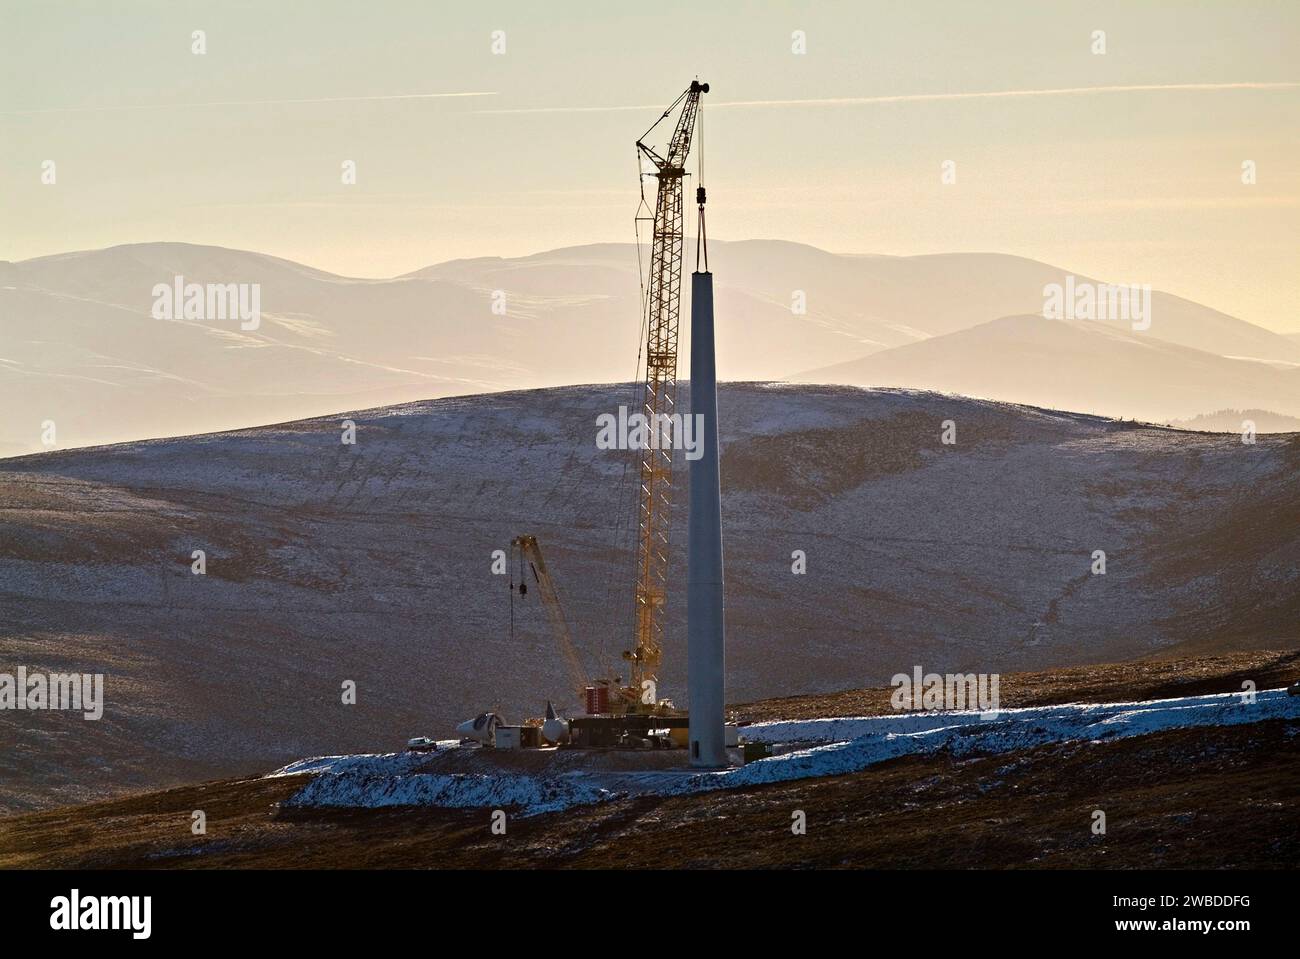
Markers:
(699, 195)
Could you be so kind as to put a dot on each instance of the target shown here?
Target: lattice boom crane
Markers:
(663, 302)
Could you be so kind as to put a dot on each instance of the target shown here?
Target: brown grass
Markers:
(1155, 678)
(1195, 798)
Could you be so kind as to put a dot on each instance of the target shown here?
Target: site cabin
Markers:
(647, 732)
(611, 732)
(644, 732)
(518, 737)
(654, 732)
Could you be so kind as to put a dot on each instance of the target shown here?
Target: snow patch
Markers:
(821, 747)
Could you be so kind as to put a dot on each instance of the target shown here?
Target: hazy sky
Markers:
(153, 142)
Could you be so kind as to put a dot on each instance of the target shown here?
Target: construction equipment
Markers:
(631, 714)
(554, 729)
(482, 728)
(658, 400)
(527, 548)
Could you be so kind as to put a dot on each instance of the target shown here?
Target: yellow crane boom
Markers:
(532, 552)
(663, 303)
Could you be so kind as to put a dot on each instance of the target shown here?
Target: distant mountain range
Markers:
(1076, 365)
(80, 348)
(1233, 421)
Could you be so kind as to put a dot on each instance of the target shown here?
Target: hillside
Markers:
(1074, 365)
(1210, 797)
(372, 563)
(82, 350)
(1230, 421)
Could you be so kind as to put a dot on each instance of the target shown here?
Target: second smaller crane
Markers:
(528, 550)
(607, 720)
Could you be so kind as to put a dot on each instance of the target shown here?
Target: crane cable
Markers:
(701, 240)
(625, 487)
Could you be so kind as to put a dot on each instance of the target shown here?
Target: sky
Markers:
(1125, 165)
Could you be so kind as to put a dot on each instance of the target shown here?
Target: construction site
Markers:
(622, 706)
(390, 484)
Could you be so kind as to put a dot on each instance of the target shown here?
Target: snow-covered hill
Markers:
(806, 749)
(328, 563)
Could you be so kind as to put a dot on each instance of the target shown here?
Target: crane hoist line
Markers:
(528, 551)
(658, 396)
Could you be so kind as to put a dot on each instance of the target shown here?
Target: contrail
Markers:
(245, 103)
(815, 102)
(929, 97)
